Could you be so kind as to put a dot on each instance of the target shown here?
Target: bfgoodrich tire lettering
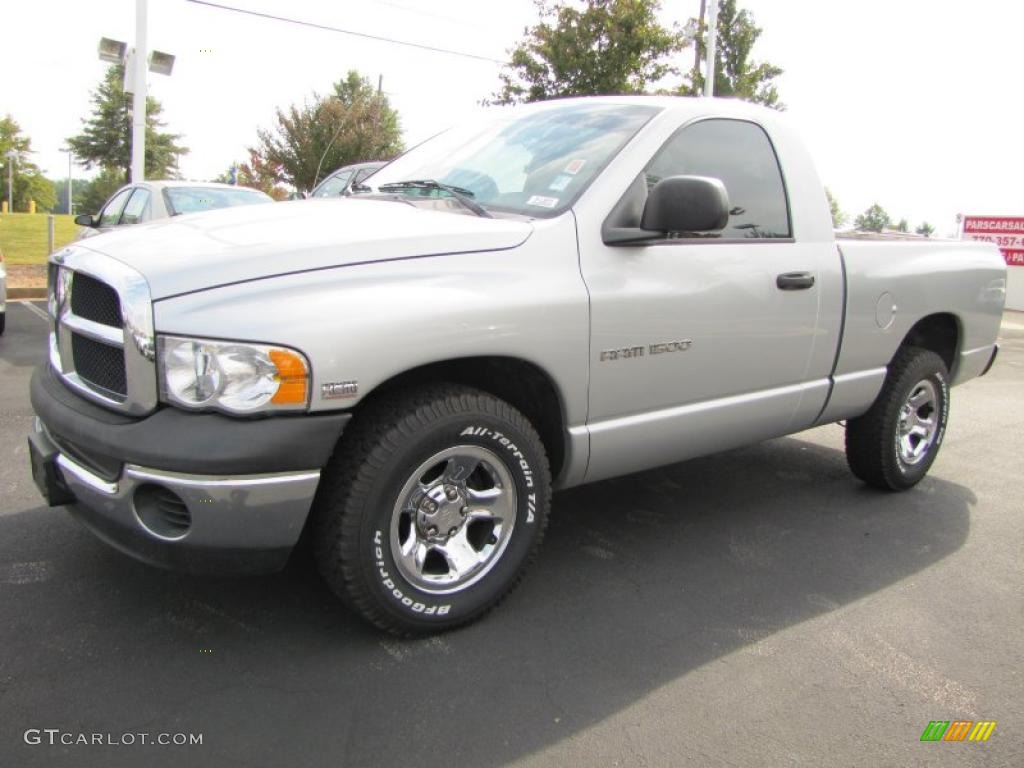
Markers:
(407, 528)
(893, 445)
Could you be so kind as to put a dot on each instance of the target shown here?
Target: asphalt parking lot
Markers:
(758, 607)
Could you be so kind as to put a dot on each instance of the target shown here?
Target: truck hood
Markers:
(201, 251)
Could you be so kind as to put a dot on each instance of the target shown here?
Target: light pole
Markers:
(709, 76)
(12, 155)
(68, 195)
(136, 61)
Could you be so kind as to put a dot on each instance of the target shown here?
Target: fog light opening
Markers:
(161, 511)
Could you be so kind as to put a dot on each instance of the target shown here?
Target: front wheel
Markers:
(893, 445)
(431, 508)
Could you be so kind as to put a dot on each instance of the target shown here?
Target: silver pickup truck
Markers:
(543, 296)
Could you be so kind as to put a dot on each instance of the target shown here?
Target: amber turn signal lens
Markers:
(292, 375)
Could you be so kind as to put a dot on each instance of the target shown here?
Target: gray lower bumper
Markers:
(236, 523)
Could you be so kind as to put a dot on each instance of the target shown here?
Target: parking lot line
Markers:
(35, 310)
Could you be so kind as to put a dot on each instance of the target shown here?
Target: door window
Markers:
(334, 185)
(136, 206)
(112, 210)
(741, 155)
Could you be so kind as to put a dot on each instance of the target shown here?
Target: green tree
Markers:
(874, 219)
(838, 217)
(736, 74)
(902, 226)
(27, 181)
(925, 229)
(35, 187)
(106, 137)
(100, 189)
(603, 47)
(78, 189)
(352, 124)
(258, 174)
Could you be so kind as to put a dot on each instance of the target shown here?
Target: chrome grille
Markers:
(102, 344)
(95, 301)
(100, 365)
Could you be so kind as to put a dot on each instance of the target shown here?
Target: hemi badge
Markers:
(339, 390)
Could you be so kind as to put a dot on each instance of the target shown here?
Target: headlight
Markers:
(231, 376)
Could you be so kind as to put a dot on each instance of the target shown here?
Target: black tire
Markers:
(873, 440)
(376, 460)
(3, 322)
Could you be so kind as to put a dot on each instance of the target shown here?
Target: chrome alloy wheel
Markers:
(453, 519)
(918, 422)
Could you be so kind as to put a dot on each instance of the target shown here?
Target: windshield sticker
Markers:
(574, 166)
(543, 202)
(561, 182)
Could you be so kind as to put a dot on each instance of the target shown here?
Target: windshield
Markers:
(195, 199)
(533, 161)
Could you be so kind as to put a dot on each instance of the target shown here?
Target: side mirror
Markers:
(299, 194)
(686, 204)
(675, 204)
(85, 220)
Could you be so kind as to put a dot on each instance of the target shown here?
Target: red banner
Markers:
(1005, 231)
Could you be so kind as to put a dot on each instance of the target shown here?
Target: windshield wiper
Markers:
(461, 194)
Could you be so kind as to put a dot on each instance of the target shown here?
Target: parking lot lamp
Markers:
(136, 61)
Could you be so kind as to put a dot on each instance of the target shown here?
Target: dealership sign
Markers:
(1005, 231)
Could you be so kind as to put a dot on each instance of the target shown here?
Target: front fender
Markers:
(363, 324)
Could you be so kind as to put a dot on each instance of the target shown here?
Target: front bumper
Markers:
(223, 520)
(246, 524)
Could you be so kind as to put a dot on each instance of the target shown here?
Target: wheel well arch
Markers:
(522, 384)
(939, 333)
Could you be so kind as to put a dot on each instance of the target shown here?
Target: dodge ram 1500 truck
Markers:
(542, 296)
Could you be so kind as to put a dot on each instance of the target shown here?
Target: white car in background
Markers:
(151, 200)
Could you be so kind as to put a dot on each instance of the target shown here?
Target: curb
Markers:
(26, 293)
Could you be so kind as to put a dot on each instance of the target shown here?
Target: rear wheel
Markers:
(431, 508)
(893, 445)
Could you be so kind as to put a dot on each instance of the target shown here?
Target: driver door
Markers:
(694, 346)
